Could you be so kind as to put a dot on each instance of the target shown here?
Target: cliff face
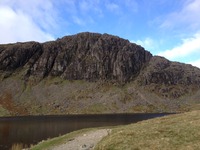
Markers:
(162, 71)
(52, 78)
(86, 56)
(170, 79)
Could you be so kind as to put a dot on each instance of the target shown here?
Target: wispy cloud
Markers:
(188, 46)
(88, 6)
(184, 23)
(38, 20)
(26, 20)
(149, 44)
(43, 13)
(47, 19)
(88, 12)
(78, 20)
(124, 6)
(113, 7)
(186, 17)
(17, 26)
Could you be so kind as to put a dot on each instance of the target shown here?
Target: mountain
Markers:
(87, 56)
(92, 73)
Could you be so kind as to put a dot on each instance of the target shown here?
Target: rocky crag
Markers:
(92, 73)
(87, 56)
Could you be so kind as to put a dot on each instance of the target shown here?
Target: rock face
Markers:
(88, 56)
(162, 71)
(170, 79)
(52, 78)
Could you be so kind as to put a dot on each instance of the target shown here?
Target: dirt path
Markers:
(85, 141)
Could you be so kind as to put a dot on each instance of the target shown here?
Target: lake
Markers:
(33, 129)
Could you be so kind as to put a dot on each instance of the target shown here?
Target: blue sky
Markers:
(169, 28)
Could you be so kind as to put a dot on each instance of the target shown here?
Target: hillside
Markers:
(174, 132)
(92, 73)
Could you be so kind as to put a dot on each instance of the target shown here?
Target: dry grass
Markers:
(175, 132)
(17, 146)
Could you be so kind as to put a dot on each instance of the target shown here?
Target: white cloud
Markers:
(187, 17)
(43, 13)
(26, 20)
(189, 46)
(184, 23)
(17, 26)
(148, 43)
(195, 63)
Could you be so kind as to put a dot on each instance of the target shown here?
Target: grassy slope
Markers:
(57, 96)
(173, 132)
(4, 112)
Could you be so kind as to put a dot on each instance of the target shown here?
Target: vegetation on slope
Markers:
(55, 96)
(181, 131)
(4, 112)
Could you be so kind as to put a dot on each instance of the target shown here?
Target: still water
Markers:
(32, 129)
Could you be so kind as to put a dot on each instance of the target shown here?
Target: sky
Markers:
(168, 28)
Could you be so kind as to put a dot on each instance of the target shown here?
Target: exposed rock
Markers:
(88, 56)
(13, 56)
(171, 79)
(162, 71)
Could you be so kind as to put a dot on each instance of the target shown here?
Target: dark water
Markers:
(32, 129)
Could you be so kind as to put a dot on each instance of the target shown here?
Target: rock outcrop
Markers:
(162, 71)
(88, 56)
(170, 79)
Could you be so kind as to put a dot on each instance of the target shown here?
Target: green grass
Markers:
(173, 132)
(4, 112)
(96, 108)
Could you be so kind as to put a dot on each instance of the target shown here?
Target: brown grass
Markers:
(17, 146)
(6, 101)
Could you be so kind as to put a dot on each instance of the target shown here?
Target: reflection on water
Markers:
(32, 129)
(18, 146)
